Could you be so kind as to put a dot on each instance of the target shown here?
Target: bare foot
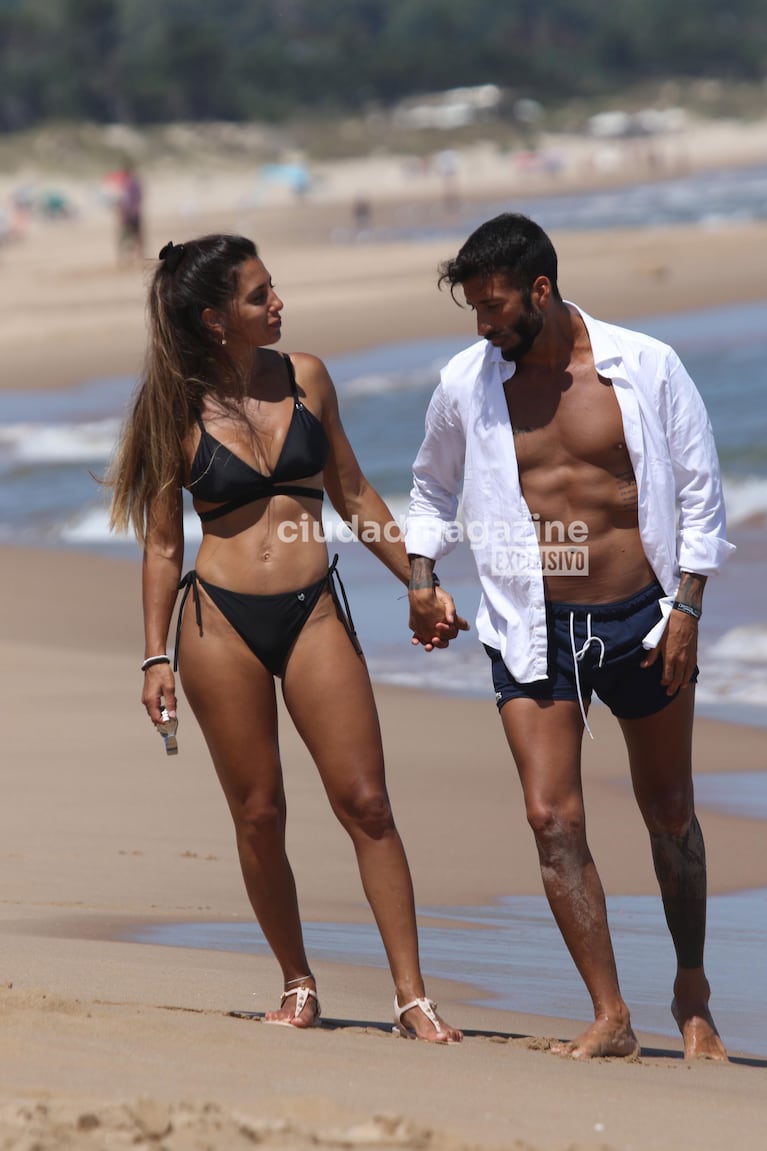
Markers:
(605, 1037)
(299, 1007)
(422, 1022)
(701, 1038)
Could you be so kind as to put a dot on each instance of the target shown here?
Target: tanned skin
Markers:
(574, 466)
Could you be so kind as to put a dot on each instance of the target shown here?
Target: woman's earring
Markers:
(223, 341)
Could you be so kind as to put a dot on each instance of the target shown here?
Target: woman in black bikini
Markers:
(255, 436)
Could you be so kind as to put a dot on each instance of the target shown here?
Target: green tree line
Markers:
(155, 61)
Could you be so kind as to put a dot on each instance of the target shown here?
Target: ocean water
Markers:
(513, 953)
(51, 445)
(709, 198)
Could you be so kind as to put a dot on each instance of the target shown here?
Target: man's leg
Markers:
(660, 755)
(545, 740)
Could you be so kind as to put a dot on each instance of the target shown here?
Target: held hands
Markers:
(678, 649)
(433, 618)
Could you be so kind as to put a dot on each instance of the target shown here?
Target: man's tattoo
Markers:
(627, 490)
(690, 590)
(680, 865)
(421, 573)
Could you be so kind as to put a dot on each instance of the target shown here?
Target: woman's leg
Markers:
(328, 694)
(233, 698)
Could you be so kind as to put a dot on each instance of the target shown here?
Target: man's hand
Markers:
(678, 649)
(679, 645)
(433, 618)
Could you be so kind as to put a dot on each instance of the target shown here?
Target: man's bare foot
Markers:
(605, 1037)
(299, 1006)
(701, 1039)
(421, 1021)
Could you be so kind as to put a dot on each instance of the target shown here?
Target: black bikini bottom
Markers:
(269, 624)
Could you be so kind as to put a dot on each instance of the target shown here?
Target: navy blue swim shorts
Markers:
(596, 648)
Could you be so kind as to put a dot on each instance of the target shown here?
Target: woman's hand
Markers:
(159, 691)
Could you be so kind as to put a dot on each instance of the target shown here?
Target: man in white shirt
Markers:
(592, 502)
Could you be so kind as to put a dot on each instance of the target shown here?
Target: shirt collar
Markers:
(604, 346)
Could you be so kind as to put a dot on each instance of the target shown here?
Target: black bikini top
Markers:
(217, 475)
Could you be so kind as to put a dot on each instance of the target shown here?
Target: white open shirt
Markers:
(469, 444)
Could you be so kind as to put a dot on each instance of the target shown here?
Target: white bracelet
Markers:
(151, 660)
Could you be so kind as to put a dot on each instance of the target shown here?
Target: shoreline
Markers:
(504, 975)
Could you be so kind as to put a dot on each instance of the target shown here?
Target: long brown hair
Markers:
(184, 361)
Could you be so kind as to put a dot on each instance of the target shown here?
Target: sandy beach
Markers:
(107, 1043)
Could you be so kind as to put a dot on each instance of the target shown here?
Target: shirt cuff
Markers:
(424, 537)
(703, 554)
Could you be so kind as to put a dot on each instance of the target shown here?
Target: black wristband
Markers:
(435, 580)
(687, 608)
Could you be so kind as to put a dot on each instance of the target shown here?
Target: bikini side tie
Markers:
(345, 612)
(189, 584)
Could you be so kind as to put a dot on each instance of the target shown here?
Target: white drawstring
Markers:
(578, 656)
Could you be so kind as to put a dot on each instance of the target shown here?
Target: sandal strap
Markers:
(302, 995)
(427, 1006)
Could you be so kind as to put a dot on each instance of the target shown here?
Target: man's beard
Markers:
(527, 329)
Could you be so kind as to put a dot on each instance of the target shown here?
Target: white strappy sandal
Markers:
(427, 1006)
(303, 995)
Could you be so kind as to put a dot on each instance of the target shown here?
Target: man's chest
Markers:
(578, 423)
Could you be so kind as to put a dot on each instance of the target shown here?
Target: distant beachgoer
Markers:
(593, 502)
(129, 208)
(255, 436)
(362, 214)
